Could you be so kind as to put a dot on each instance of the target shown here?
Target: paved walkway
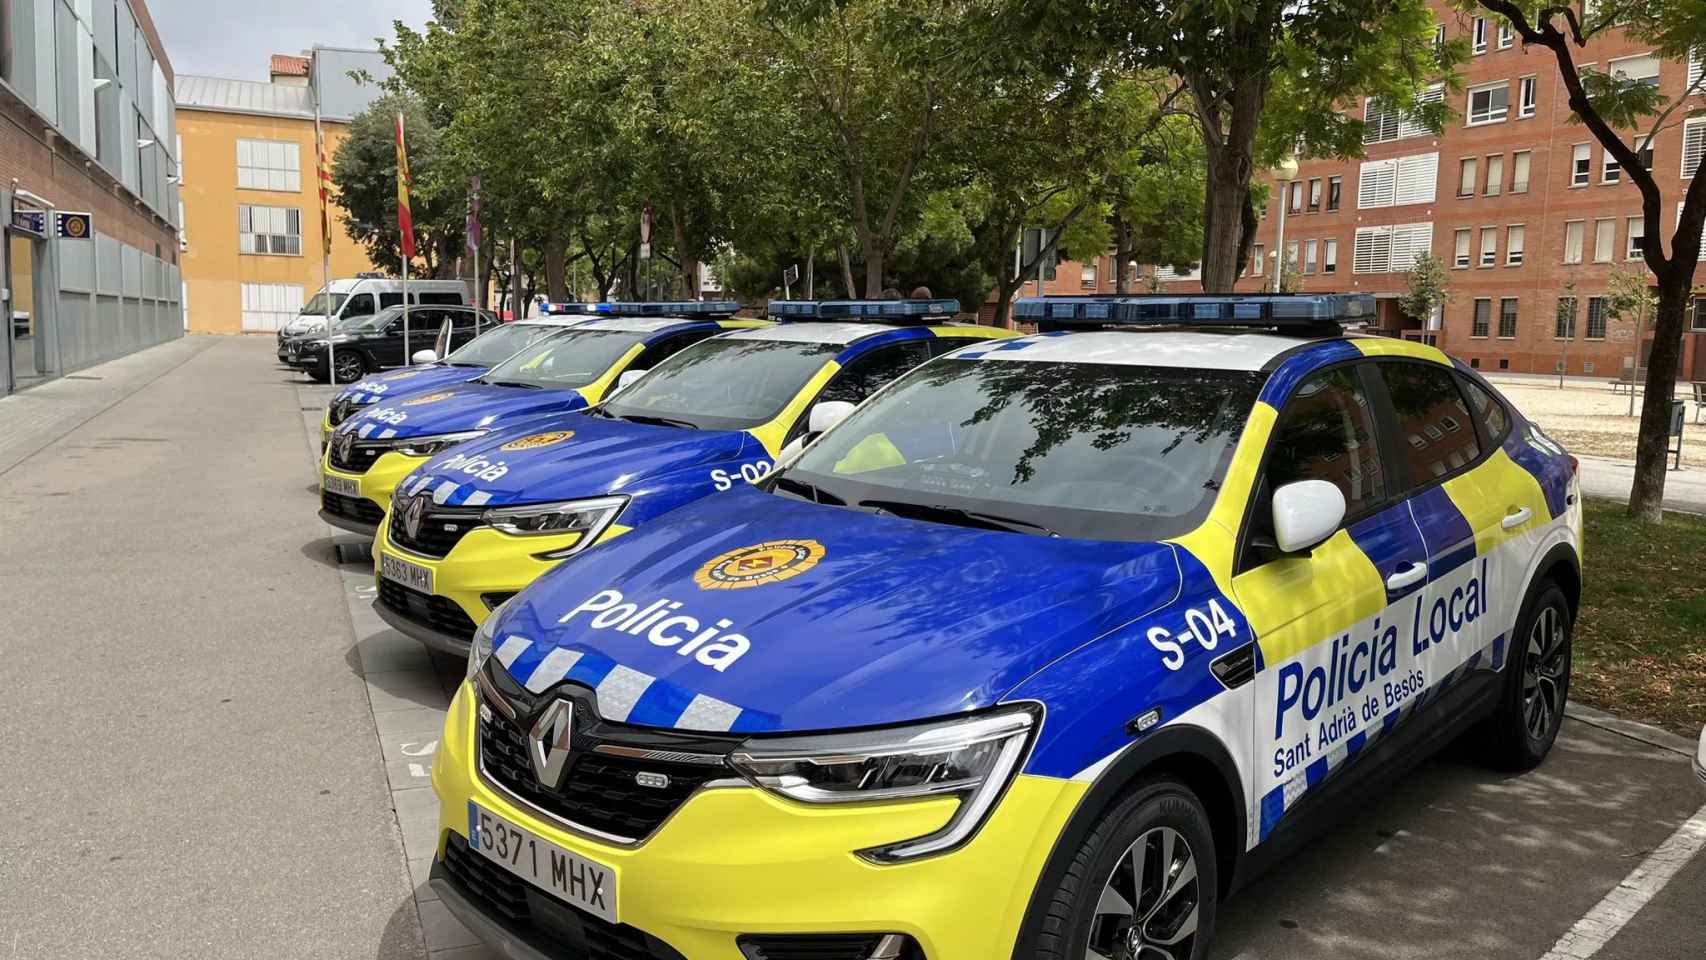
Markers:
(1685, 489)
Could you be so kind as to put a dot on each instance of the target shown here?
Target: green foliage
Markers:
(364, 173)
(1429, 288)
(1629, 294)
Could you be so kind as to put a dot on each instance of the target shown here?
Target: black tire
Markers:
(1077, 922)
(351, 367)
(1520, 733)
(316, 375)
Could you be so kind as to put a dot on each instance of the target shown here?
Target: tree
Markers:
(1607, 104)
(1428, 291)
(1565, 319)
(1629, 296)
(365, 175)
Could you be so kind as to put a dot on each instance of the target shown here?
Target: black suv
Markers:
(376, 342)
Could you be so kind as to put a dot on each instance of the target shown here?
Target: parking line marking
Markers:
(1596, 929)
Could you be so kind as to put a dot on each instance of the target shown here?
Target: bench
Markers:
(1624, 383)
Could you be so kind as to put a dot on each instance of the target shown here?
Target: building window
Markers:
(1637, 228)
(1525, 97)
(1315, 195)
(1087, 276)
(269, 165)
(1258, 263)
(1644, 152)
(1391, 249)
(1483, 316)
(1604, 240)
(1507, 36)
(1519, 171)
(1643, 69)
(1400, 181)
(268, 306)
(1439, 35)
(1573, 230)
(1466, 177)
(1382, 123)
(269, 230)
(1310, 249)
(1693, 144)
(1697, 316)
(1296, 196)
(1335, 186)
(1480, 32)
(1489, 246)
(1330, 256)
(1610, 171)
(1516, 235)
(1596, 318)
(1565, 328)
(1489, 104)
(1460, 249)
(1291, 260)
(1580, 163)
(1507, 318)
(1495, 175)
(1504, 363)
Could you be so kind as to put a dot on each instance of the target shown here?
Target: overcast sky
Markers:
(226, 39)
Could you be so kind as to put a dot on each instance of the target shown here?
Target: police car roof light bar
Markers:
(649, 308)
(893, 311)
(1308, 312)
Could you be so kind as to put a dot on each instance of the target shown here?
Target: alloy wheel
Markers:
(1148, 907)
(349, 368)
(1544, 672)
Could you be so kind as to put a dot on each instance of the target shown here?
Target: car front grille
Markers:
(353, 508)
(599, 791)
(541, 921)
(439, 613)
(360, 458)
(438, 532)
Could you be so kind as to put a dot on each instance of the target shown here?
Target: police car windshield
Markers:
(323, 304)
(497, 344)
(723, 384)
(565, 361)
(1094, 451)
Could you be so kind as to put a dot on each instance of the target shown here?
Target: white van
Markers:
(366, 295)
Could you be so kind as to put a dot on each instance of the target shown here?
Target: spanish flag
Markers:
(325, 175)
(405, 220)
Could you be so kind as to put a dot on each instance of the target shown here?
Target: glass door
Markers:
(24, 325)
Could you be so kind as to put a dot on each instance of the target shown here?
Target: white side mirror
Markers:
(827, 414)
(627, 377)
(1306, 513)
(424, 356)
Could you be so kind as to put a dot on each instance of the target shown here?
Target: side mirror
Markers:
(827, 414)
(1306, 513)
(627, 377)
(424, 356)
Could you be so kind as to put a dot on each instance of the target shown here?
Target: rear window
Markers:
(1488, 408)
(1436, 438)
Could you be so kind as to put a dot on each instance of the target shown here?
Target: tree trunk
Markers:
(1124, 241)
(872, 247)
(687, 266)
(1223, 222)
(1646, 498)
(556, 267)
(846, 270)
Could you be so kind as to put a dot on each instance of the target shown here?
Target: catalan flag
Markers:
(325, 174)
(405, 220)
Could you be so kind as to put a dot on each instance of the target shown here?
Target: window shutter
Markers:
(1696, 66)
(1408, 127)
(1373, 250)
(1416, 178)
(1693, 144)
(1375, 184)
(1409, 241)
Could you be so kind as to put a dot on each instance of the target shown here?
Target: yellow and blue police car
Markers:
(1041, 653)
(567, 370)
(472, 527)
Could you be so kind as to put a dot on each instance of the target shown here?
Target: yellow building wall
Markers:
(214, 268)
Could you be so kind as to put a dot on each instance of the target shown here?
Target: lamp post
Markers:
(1285, 174)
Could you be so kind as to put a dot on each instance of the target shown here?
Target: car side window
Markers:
(867, 374)
(1327, 433)
(941, 345)
(360, 305)
(666, 348)
(1488, 408)
(390, 300)
(1435, 435)
(442, 299)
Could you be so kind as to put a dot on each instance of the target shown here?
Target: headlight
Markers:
(589, 518)
(481, 648)
(312, 346)
(427, 446)
(974, 758)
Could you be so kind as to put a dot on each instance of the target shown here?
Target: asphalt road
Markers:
(209, 746)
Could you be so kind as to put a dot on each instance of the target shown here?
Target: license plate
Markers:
(411, 575)
(342, 486)
(569, 877)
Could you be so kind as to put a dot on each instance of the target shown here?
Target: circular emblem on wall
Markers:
(770, 562)
(76, 227)
(538, 440)
(429, 398)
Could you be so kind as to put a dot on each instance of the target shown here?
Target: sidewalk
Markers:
(1685, 489)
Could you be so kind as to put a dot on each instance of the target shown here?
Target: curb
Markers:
(1644, 733)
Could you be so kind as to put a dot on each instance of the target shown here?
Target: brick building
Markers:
(87, 125)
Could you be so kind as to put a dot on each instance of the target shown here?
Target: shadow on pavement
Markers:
(402, 938)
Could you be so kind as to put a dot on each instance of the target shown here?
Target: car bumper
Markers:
(374, 486)
(737, 860)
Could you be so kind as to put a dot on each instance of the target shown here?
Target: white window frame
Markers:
(1581, 227)
(1620, 68)
(1489, 247)
(1329, 256)
(1398, 182)
(1468, 174)
(1507, 36)
(268, 306)
(1607, 251)
(1491, 114)
(1479, 33)
(1693, 145)
(1527, 88)
(1494, 175)
(1382, 249)
(1635, 228)
(1581, 164)
(1527, 159)
(271, 165)
(1516, 241)
(277, 233)
(1460, 241)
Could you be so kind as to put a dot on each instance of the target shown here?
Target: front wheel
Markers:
(350, 367)
(1522, 731)
(1143, 886)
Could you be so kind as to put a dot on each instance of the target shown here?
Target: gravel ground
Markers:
(1587, 418)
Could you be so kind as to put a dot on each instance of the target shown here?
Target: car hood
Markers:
(305, 323)
(457, 407)
(564, 458)
(399, 384)
(863, 620)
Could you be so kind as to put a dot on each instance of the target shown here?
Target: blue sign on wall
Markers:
(75, 226)
(32, 222)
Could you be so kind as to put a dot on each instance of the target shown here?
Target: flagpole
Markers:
(325, 245)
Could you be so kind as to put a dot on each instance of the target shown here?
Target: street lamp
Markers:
(1285, 174)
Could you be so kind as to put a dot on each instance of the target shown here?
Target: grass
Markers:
(1640, 645)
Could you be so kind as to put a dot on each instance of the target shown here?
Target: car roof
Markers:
(837, 334)
(1202, 349)
(634, 324)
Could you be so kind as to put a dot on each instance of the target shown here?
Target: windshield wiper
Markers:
(656, 421)
(812, 492)
(513, 383)
(944, 513)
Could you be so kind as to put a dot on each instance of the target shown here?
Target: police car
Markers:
(567, 370)
(479, 523)
(1040, 653)
(465, 363)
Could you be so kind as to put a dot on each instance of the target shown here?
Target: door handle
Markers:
(1516, 518)
(1407, 574)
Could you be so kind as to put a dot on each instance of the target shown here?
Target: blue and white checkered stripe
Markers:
(376, 431)
(1285, 796)
(625, 695)
(448, 493)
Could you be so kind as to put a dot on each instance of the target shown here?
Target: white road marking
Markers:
(1596, 929)
(417, 749)
(418, 771)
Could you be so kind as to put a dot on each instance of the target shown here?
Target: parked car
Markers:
(365, 296)
(383, 341)
(1042, 652)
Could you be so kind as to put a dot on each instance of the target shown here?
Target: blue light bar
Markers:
(863, 309)
(651, 308)
(1267, 310)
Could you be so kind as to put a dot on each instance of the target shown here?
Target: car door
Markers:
(1328, 642)
(864, 375)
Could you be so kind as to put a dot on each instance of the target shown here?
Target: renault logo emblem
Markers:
(413, 507)
(548, 746)
(346, 444)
